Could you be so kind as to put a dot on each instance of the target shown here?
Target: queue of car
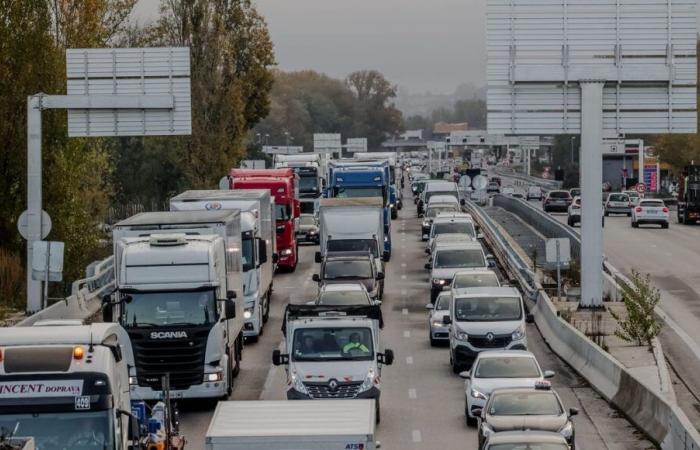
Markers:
(482, 322)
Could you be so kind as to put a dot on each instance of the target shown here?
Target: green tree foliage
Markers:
(641, 297)
(471, 111)
(678, 150)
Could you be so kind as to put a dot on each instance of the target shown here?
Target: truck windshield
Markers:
(62, 430)
(336, 270)
(283, 212)
(163, 308)
(490, 309)
(356, 192)
(467, 259)
(329, 344)
(353, 245)
(248, 253)
(454, 227)
(308, 184)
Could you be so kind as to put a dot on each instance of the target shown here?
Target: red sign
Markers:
(641, 188)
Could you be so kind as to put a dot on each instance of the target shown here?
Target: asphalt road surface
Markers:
(422, 401)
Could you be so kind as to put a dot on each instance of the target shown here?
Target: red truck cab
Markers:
(284, 187)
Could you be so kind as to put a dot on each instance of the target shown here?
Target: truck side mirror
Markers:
(386, 358)
(316, 278)
(229, 309)
(107, 309)
(462, 202)
(279, 359)
(318, 258)
(262, 251)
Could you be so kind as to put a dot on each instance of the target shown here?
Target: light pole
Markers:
(573, 141)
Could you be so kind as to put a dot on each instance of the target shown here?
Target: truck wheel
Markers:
(237, 355)
(394, 213)
(229, 376)
(377, 409)
(266, 308)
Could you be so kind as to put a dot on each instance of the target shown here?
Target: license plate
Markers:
(653, 212)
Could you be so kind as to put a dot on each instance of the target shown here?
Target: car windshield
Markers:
(433, 193)
(442, 303)
(525, 404)
(248, 253)
(433, 211)
(463, 258)
(469, 280)
(62, 430)
(308, 184)
(507, 367)
(534, 189)
(353, 245)
(618, 198)
(282, 212)
(559, 194)
(357, 268)
(336, 298)
(489, 309)
(529, 446)
(163, 308)
(306, 207)
(454, 227)
(306, 219)
(332, 344)
(355, 192)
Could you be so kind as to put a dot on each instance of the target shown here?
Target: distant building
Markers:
(444, 129)
(412, 134)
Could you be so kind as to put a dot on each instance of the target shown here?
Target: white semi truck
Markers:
(281, 425)
(257, 239)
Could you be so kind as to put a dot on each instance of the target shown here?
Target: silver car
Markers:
(344, 294)
(437, 330)
(308, 228)
(526, 408)
(618, 203)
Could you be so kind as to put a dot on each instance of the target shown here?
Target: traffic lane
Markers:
(257, 357)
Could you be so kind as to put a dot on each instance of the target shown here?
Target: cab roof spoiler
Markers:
(294, 312)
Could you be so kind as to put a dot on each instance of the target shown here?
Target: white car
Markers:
(534, 193)
(634, 196)
(469, 279)
(438, 331)
(498, 370)
(452, 223)
(650, 211)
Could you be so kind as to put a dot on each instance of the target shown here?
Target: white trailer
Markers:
(298, 425)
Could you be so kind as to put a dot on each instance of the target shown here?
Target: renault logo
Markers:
(333, 385)
(490, 337)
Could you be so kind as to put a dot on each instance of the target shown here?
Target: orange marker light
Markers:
(78, 353)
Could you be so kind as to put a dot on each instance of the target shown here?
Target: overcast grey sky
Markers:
(423, 45)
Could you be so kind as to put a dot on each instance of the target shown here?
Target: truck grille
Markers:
(323, 390)
(183, 358)
(498, 341)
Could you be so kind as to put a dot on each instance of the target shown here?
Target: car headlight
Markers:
(386, 238)
(567, 431)
(297, 384)
(369, 381)
(425, 224)
(312, 232)
(212, 377)
(519, 333)
(476, 394)
(286, 252)
(438, 282)
(133, 381)
(438, 323)
(461, 335)
(248, 313)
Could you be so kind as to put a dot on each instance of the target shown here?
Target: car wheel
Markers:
(456, 368)
(471, 421)
(570, 222)
(377, 412)
(635, 225)
(664, 225)
(433, 342)
(629, 214)
(607, 214)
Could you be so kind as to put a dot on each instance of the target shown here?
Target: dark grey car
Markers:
(355, 267)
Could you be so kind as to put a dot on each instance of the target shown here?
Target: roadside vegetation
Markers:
(640, 326)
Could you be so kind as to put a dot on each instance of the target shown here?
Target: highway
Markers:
(422, 401)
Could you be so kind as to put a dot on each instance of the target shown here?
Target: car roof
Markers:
(526, 436)
(348, 256)
(476, 272)
(442, 199)
(505, 353)
(525, 390)
(453, 217)
(503, 291)
(343, 287)
(458, 245)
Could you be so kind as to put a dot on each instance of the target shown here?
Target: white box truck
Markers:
(280, 425)
(258, 241)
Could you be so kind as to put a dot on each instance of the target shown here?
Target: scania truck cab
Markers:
(66, 385)
(347, 179)
(283, 184)
(257, 240)
(333, 352)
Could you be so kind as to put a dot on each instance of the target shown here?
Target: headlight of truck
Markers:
(519, 333)
(133, 381)
(461, 335)
(212, 377)
(438, 323)
(369, 381)
(297, 384)
(286, 252)
(248, 313)
(567, 431)
(477, 394)
(439, 282)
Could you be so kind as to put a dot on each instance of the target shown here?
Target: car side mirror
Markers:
(530, 318)
(427, 251)
(279, 358)
(549, 374)
(491, 263)
(479, 235)
(446, 320)
(380, 276)
(430, 306)
(229, 309)
(427, 266)
(230, 295)
(318, 258)
(316, 277)
(386, 358)
(573, 412)
(465, 375)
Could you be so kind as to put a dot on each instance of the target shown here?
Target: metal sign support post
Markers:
(558, 270)
(641, 162)
(591, 193)
(35, 105)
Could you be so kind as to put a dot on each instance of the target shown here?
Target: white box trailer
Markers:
(293, 425)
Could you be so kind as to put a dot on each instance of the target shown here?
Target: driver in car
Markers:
(355, 344)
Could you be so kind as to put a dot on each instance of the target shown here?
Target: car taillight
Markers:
(665, 210)
(638, 209)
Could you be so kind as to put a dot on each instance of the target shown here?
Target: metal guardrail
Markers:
(529, 180)
(85, 299)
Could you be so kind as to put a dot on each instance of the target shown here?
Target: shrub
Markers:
(640, 299)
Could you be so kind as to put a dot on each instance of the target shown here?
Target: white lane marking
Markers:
(409, 360)
(407, 334)
(404, 292)
(403, 264)
(412, 394)
(416, 436)
(404, 311)
(403, 277)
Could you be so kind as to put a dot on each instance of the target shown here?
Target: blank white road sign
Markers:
(130, 71)
(327, 143)
(50, 252)
(644, 51)
(564, 250)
